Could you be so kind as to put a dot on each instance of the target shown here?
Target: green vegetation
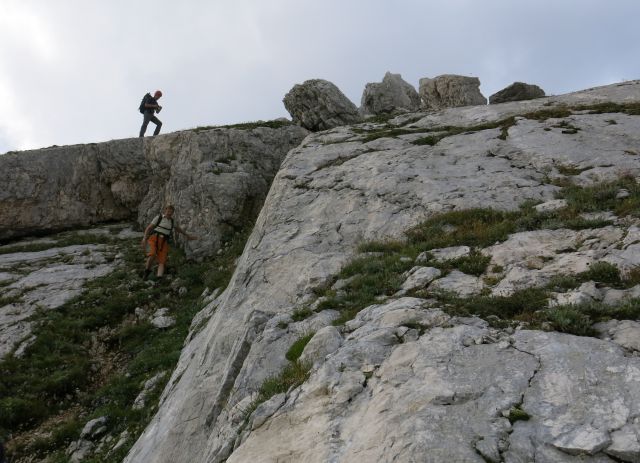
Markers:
(295, 351)
(274, 124)
(378, 271)
(518, 414)
(91, 357)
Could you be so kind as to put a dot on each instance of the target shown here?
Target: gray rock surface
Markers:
(517, 91)
(390, 96)
(318, 104)
(216, 177)
(392, 391)
(450, 91)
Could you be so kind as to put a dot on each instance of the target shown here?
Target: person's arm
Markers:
(147, 232)
(187, 235)
(152, 106)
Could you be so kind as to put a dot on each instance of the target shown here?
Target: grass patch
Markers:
(295, 351)
(570, 319)
(571, 170)
(273, 124)
(518, 414)
(301, 314)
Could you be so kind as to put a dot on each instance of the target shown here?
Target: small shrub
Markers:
(563, 283)
(293, 375)
(603, 272)
(569, 319)
(295, 351)
(518, 414)
(301, 314)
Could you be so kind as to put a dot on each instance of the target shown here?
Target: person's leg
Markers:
(158, 124)
(145, 123)
(162, 253)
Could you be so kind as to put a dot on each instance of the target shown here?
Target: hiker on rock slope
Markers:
(157, 236)
(148, 106)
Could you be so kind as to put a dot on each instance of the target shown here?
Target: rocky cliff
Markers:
(216, 177)
(434, 299)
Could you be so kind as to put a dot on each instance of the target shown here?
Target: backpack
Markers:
(157, 222)
(145, 98)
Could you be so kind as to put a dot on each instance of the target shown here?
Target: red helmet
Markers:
(158, 94)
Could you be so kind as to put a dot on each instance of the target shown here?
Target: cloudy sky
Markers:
(74, 71)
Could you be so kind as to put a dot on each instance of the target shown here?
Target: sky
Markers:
(74, 71)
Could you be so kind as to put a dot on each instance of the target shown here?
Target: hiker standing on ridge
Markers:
(157, 236)
(148, 106)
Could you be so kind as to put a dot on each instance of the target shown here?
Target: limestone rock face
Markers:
(216, 178)
(407, 380)
(318, 104)
(70, 186)
(517, 91)
(392, 95)
(450, 91)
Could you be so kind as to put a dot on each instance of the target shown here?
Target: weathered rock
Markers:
(161, 320)
(70, 186)
(420, 277)
(449, 91)
(458, 283)
(324, 342)
(94, 428)
(550, 206)
(625, 333)
(148, 386)
(319, 105)
(390, 96)
(517, 91)
(217, 178)
(444, 254)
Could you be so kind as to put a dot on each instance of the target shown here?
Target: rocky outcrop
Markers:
(71, 186)
(517, 91)
(392, 95)
(216, 177)
(319, 105)
(450, 91)
(404, 379)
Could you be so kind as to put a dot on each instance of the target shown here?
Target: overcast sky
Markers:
(74, 71)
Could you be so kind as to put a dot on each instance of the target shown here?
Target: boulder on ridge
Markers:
(391, 95)
(318, 104)
(449, 91)
(517, 91)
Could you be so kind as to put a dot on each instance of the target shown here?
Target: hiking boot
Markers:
(146, 274)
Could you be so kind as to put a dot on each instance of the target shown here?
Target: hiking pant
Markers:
(149, 116)
(158, 247)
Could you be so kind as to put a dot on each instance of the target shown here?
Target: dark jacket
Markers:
(149, 100)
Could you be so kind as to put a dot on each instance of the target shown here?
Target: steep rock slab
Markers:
(318, 104)
(449, 91)
(333, 192)
(70, 186)
(392, 95)
(517, 91)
